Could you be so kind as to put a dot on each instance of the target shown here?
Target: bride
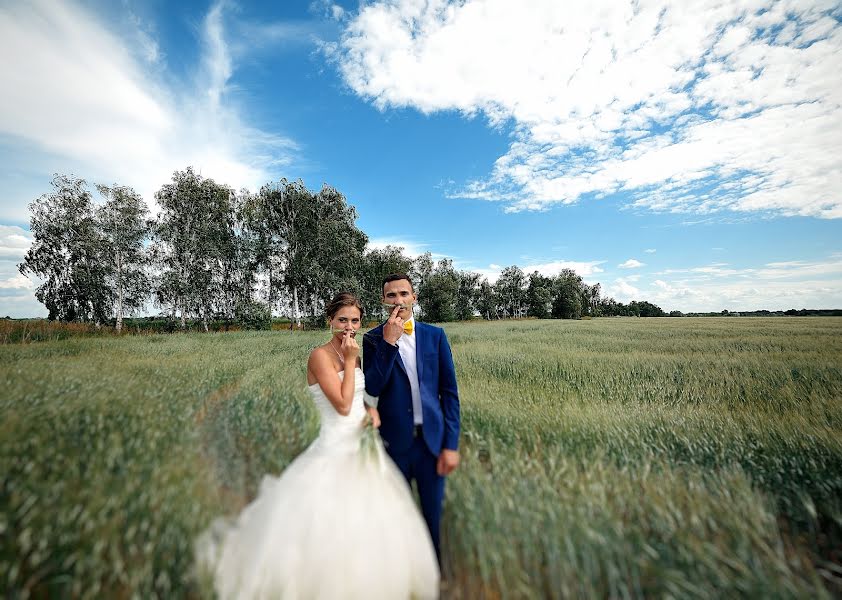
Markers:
(340, 521)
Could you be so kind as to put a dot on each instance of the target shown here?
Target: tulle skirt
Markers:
(335, 524)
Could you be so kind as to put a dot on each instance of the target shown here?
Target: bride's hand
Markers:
(375, 416)
(350, 348)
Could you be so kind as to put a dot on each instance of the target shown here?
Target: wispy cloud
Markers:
(78, 96)
(699, 107)
(631, 263)
(713, 287)
(328, 9)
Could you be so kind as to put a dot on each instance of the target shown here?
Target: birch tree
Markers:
(193, 245)
(538, 296)
(122, 220)
(567, 295)
(511, 289)
(67, 254)
(277, 217)
(308, 244)
(335, 255)
(466, 296)
(377, 263)
(437, 293)
(486, 300)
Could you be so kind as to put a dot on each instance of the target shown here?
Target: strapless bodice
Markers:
(337, 429)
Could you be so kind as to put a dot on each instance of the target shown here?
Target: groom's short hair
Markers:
(396, 277)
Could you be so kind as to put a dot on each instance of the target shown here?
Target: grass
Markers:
(606, 458)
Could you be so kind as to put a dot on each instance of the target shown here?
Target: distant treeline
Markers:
(804, 312)
(216, 258)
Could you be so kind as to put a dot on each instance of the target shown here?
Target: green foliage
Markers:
(539, 296)
(253, 315)
(67, 252)
(685, 457)
(567, 295)
(437, 294)
(196, 247)
(511, 292)
(486, 300)
(377, 263)
(308, 244)
(466, 296)
(122, 219)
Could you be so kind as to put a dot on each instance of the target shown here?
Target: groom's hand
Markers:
(448, 461)
(393, 329)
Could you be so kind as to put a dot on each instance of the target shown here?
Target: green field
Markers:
(685, 458)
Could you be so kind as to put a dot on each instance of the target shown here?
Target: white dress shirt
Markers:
(406, 348)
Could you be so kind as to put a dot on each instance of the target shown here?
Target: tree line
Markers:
(213, 254)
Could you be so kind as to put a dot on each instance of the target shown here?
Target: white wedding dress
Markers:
(337, 523)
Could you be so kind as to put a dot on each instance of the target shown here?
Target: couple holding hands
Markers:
(338, 522)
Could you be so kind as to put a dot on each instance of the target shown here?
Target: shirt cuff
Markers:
(370, 400)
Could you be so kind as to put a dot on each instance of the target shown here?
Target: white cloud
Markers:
(549, 269)
(622, 290)
(78, 98)
(631, 263)
(587, 269)
(17, 292)
(773, 286)
(17, 282)
(650, 251)
(14, 242)
(328, 9)
(698, 107)
(412, 249)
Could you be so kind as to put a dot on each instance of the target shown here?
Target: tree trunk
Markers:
(295, 317)
(119, 325)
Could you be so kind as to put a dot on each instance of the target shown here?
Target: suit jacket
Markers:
(385, 377)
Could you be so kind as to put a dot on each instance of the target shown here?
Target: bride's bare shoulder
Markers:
(320, 354)
(318, 357)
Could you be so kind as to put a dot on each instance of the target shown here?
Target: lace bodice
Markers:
(337, 429)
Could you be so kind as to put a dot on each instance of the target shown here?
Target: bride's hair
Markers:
(341, 300)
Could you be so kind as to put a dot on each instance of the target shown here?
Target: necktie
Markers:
(407, 328)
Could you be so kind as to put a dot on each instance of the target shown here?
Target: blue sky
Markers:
(689, 156)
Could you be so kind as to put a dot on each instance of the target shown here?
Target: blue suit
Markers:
(386, 377)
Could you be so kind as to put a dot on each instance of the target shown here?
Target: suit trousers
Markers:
(419, 463)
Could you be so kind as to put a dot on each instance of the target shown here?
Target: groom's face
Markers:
(400, 292)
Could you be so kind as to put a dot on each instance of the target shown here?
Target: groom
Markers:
(410, 367)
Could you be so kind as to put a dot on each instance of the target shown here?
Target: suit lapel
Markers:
(398, 359)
